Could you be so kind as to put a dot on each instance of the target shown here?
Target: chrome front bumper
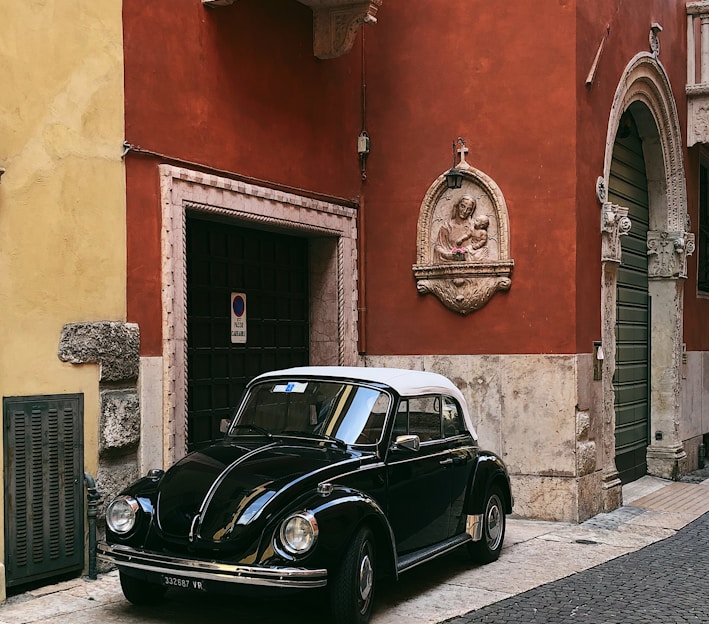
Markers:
(127, 557)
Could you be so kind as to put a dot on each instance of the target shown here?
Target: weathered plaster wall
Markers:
(62, 198)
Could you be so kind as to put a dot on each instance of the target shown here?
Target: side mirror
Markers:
(409, 442)
(224, 425)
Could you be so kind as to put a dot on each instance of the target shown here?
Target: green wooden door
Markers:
(628, 187)
(44, 487)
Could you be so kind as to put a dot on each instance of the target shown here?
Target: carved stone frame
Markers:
(645, 90)
(331, 230)
(463, 286)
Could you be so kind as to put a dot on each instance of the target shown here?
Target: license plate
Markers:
(183, 583)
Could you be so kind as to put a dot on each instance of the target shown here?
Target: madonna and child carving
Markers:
(464, 237)
(463, 242)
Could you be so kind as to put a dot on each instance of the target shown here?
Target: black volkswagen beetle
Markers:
(327, 476)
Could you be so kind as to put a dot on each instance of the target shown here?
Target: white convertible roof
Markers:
(403, 381)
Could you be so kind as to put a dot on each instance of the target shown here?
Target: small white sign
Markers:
(238, 318)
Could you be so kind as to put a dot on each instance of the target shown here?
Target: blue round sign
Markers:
(239, 305)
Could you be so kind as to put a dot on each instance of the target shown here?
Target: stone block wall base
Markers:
(559, 498)
(611, 492)
(589, 502)
(545, 498)
(667, 462)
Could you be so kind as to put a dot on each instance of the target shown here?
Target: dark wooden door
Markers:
(628, 187)
(271, 270)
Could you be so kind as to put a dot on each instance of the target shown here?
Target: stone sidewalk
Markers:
(535, 554)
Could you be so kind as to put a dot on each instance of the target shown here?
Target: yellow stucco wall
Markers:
(62, 197)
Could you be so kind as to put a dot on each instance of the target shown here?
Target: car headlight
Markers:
(299, 532)
(121, 514)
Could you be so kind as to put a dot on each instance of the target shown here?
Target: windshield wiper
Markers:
(260, 430)
(313, 435)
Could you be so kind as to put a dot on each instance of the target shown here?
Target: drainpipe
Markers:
(92, 497)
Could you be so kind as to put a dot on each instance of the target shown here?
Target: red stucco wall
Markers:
(236, 89)
(503, 78)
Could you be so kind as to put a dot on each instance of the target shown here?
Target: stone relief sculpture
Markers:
(464, 236)
(463, 241)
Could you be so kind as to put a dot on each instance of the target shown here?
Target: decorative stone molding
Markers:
(667, 253)
(332, 232)
(614, 224)
(335, 22)
(697, 88)
(463, 241)
(654, 39)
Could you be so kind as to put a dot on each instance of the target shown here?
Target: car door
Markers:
(419, 487)
(461, 461)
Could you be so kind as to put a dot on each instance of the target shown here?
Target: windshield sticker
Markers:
(293, 386)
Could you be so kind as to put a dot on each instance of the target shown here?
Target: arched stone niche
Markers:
(463, 241)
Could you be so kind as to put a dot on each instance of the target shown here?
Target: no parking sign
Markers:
(238, 318)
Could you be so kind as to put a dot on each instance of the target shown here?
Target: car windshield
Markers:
(344, 411)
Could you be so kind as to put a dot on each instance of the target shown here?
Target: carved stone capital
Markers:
(335, 22)
(335, 27)
(667, 253)
(614, 224)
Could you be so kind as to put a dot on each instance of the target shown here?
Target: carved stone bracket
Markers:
(463, 241)
(614, 224)
(667, 253)
(335, 22)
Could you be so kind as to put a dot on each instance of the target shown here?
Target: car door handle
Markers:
(446, 462)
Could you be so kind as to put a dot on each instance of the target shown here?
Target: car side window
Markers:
(401, 422)
(452, 418)
(425, 417)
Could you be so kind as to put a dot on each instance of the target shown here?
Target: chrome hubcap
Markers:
(366, 577)
(494, 522)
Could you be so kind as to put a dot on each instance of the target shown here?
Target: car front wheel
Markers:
(139, 592)
(352, 590)
(488, 548)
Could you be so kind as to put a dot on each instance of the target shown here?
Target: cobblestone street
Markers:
(664, 582)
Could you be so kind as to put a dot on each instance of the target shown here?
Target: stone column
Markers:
(614, 224)
(667, 270)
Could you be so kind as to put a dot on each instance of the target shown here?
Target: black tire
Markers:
(352, 585)
(488, 548)
(140, 592)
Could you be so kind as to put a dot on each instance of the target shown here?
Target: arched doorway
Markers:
(644, 97)
(627, 186)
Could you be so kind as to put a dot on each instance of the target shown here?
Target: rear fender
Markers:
(490, 470)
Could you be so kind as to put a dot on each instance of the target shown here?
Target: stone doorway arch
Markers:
(644, 91)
